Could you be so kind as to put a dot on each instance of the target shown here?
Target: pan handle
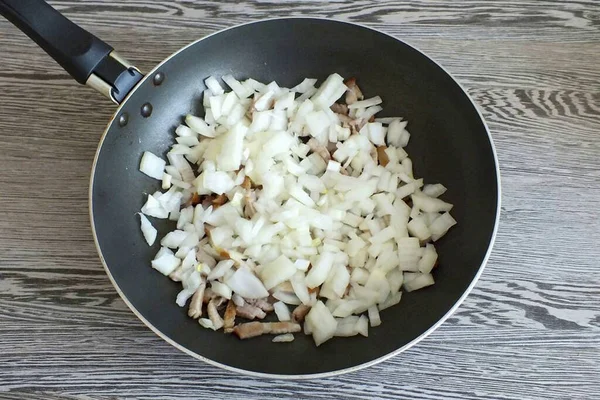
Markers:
(86, 58)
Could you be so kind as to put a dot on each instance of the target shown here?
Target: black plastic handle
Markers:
(79, 52)
(74, 48)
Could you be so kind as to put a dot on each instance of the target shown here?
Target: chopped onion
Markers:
(418, 281)
(282, 311)
(300, 220)
(277, 271)
(166, 263)
(147, 229)
(374, 317)
(246, 284)
(321, 323)
(152, 165)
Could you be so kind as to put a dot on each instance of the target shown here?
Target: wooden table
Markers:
(529, 330)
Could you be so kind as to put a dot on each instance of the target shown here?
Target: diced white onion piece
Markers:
(305, 85)
(206, 323)
(217, 182)
(232, 148)
(152, 165)
(317, 122)
(378, 283)
(434, 190)
(362, 326)
(220, 269)
(430, 204)
(418, 281)
(418, 228)
(184, 131)
(395, 279)
(246, 284)
(221, 289)
(330, 90)
(321, 323)
(173, 239)
(285, 338)
(147, 229)
(428, 259)
(263, 102)
(198, 125)
(394, 133)
(374, 317)
(286, 297)
(153, 208)
(236, 86)
(373, 101)
(298, 282)
(238, 300)
(282, 311)
(278, 271)
(166, 263)
(320, 270)
(440, 226)
(347, 326)
(301, 264)
(392, 300)
(214, 86)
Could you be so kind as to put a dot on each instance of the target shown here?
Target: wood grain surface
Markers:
(529, 330)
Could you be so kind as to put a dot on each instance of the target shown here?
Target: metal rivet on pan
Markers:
(159, 77)
(146, 110)
(123, 119)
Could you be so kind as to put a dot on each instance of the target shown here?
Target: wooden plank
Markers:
(530, 328)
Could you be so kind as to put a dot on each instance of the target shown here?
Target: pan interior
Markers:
(449, 144)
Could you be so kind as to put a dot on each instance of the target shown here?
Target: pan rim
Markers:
(328, 374)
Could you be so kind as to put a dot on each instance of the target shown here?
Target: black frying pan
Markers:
(450, 143)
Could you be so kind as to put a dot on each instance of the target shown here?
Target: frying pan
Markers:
(450, 143)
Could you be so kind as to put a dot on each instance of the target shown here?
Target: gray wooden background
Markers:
(529, 330)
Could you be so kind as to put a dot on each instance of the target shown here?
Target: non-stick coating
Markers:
(449, 144)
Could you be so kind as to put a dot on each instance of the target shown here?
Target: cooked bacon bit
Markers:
(196, 199)
(207, 201)
(253, 329)
(318, 148)
(177, 274)
(249, 330)
(263, 304)
(208, 295)
(353, 94)
(249, 311)
(213, 314)
(229, 317)
(219, 201)
(382, 155)
(300, 312)
(247, 184)
(224, 254)
(195, 310)
(358, 124)
(331, 147)
(339, 108)
(279, 328)
(345, 120)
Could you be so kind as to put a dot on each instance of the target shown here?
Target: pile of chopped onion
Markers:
(293, 198)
